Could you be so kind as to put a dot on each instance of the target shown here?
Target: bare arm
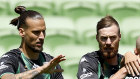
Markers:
(46, 68)
(121, 74)
(25, 75)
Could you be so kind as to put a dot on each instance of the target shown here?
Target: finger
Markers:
(137, 65)
(62, 59)
(131, 70)
(57, 60)
(128, 70)
(134, 67)
(138, 59)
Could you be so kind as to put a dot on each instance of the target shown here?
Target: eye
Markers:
(36, 32)
(113, 38)
(103, 38)
(44, 32)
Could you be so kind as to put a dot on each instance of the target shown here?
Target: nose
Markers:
(42, 35)
(108, 41)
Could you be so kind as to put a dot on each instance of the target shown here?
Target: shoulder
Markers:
(91, 56)
(12, 54)
(9, 61)
(120, 56)
(88, 65)
(90, 59)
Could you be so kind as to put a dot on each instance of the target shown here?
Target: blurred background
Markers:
(71, 26)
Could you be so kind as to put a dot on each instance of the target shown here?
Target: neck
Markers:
(29, 53)
(112, 61)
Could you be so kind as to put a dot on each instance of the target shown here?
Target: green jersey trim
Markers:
(28, 64)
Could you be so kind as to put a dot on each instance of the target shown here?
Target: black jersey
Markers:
(131, 77)
(15, 62)
(92, 66)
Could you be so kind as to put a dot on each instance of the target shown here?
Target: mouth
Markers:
(39, 44)
(108, 49)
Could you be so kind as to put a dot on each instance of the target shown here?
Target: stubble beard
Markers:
(35, 49)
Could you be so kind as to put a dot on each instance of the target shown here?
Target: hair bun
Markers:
(20, 9)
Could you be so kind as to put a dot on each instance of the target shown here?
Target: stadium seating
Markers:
(130, 26)
(5, 27)
(122, 10)
(44, 7)
(60, 30)
(4, 8)
(77, 9)
(86, 28)
(126, 48)
(8, 41)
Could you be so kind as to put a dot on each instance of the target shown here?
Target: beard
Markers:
(109, 52)
(35, 49)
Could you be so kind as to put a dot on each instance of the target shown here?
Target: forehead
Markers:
(109, 31)
(35, 23)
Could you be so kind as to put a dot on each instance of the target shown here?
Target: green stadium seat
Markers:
(126, 48)
(122, 10)
(2, 50)
(8, 41)
(134, 35)
(77, 9)
(4, 7)
(43, 7)
(60, 31)
(86, 28)
(130, 27)
(73, 50)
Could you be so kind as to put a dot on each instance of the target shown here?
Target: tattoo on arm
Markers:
(28, 75)
(34, 73)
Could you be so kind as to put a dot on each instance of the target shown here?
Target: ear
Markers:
(135, 51)
(97, 37)
(120, 36)
(21, 32)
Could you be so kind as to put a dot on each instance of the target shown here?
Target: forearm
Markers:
(24, 75)
(121, 74)
(29, 74)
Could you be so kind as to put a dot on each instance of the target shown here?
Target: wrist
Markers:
(40, 69)
(124, 70)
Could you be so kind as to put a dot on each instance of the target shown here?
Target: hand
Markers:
(50, 66)
(120, 74)
(132, 63)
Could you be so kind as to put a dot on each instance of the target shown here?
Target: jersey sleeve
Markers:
(8, 64)
(88, 68)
